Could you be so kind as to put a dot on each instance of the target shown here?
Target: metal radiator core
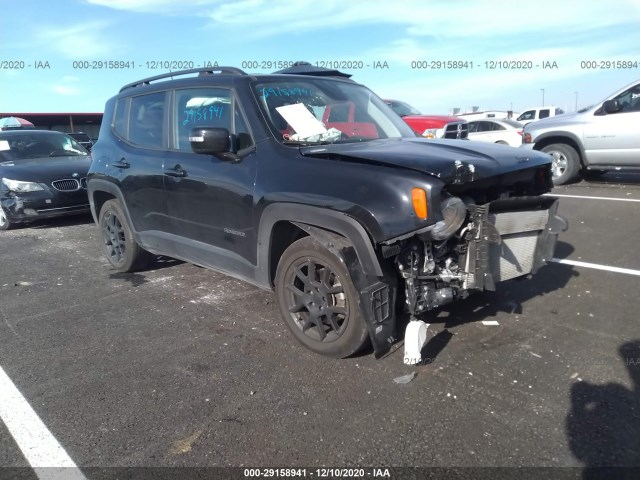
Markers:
(519, 232)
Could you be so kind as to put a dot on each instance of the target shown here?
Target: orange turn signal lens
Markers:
(419, 199)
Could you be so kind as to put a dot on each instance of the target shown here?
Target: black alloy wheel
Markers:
(120, 248)
(318, 301)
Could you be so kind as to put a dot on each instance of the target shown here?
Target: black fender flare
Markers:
(96, 185)
(324, 218)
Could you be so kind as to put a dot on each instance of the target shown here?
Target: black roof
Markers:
(305, 68)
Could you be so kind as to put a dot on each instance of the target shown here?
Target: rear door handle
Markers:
(176, 171)
(122, 163)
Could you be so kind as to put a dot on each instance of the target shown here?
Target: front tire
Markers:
(121, 250)
(566, 163)
(5, 223)
(318, 301)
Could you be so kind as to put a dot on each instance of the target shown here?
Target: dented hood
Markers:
(453, 161)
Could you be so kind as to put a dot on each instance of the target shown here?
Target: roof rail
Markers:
(200, 71)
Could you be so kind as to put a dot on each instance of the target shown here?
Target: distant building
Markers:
(88, 123)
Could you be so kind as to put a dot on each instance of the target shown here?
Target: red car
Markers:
(430, 126)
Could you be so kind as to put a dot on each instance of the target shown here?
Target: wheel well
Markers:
(564, 140)
(99, 199)
(284, 234)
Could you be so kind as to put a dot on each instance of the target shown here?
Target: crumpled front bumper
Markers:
(31, 206)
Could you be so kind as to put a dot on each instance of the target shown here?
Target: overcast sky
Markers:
(66, 36)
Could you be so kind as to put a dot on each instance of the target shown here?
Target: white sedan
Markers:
(504, 131)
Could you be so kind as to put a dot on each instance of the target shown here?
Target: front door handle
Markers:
(176, 171)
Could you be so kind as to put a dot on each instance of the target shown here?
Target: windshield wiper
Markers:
(304, 143)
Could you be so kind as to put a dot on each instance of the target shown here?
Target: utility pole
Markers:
(542, 90)
(575, 109)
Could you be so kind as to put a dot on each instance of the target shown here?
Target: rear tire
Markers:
(566, 163)
(318, 301)
(121, 250)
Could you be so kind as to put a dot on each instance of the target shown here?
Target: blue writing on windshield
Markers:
(195, 115)
(284, 92)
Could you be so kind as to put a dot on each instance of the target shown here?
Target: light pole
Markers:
(542, 90)
(575, 109)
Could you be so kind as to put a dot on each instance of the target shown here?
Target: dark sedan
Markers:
(42, 174)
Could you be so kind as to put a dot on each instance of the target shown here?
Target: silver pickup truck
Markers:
(593, 140)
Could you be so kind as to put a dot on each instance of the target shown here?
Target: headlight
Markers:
(433, 133)
(454, 212)
(21, 187)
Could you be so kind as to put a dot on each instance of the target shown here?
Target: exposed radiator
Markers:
(519, 232)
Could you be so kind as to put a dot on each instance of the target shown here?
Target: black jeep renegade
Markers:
(311, 185)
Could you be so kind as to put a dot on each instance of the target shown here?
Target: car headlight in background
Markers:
(433, 133)
(21, 187)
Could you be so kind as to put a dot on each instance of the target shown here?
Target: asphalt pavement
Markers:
(179, 366)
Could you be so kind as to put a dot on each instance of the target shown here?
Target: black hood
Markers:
(45, 170)
(453, 161)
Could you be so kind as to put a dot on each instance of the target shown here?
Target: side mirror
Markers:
(210, 141)
(611, 106)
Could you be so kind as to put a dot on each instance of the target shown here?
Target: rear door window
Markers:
(121, 118)
(147, 120)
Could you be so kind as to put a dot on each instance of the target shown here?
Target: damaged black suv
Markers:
(312, 186)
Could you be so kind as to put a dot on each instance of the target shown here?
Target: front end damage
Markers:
(489, 232)
(496, 241)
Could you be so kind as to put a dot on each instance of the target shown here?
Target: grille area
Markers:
(456, 130)
(83, 182)
(66, 185)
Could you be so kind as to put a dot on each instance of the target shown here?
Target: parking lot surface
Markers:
(181, 366)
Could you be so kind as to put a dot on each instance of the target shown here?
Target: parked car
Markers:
(593, 140)
(534, 114)
(493, 114)
(42, 174)
(238, 173)
(505, 131)
(83, 139)
(430, 126)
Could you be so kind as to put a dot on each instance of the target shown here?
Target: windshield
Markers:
(37, 144)
(319, 110)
